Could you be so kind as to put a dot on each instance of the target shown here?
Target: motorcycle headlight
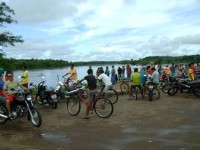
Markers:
(29, 98)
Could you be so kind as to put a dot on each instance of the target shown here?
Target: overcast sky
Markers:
(88, 30)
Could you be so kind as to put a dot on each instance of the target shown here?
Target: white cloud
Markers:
(87, 30)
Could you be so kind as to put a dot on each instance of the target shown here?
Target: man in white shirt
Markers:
(106, 80)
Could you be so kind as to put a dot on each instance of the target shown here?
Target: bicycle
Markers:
(135, 91)
(101, 106)
(112, 93)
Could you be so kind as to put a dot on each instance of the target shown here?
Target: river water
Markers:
(50, 75)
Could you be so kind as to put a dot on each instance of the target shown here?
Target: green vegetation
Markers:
(166, 59)
(7, 38)
(16, 64)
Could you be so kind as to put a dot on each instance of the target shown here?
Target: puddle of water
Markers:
(128, 129)
(57, 138)
(166, 136)
(180, 130)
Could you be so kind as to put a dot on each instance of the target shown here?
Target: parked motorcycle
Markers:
(22, 105)
(61, 88)
(185, 85)
(150, 90)
(46, 96)
(172, 80)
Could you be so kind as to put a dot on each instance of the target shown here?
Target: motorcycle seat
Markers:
(193, 82)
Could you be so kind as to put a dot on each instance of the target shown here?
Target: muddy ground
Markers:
(171, 123)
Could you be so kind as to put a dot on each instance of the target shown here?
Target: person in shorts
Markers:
(106, 81)
(73, 75)
(155, 79)
(135, 81)
(10, 90)
(92, 86)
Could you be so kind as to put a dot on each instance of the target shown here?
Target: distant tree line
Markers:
(165, 59)
(16, 64)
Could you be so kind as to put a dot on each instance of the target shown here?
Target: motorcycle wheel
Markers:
(38, 99)
(150, 94)
(3, 111)
(54, 104)
(35, 117)
(196, 91)
(172, 91)
(166, 87)
(162, 83)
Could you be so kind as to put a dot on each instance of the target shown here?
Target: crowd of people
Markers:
(138, 75)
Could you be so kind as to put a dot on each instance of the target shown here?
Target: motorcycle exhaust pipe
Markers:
(4, 116)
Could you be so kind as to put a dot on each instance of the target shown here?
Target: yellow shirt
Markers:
(190, 74)
(136, 78)
(73, 71)
(26, 78)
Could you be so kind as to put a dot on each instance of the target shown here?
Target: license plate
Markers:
(53, 96)
(151, 86)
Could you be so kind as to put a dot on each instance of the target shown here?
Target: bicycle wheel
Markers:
(103, 108)
(73, 105)
(124, 87)
(113, 96)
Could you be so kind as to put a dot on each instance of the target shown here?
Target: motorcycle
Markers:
(172, 80)
(185, 86)
(150, 90)
(62, 88)
(46, 96)
(22, 105)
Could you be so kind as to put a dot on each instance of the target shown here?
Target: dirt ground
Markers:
(170, 123)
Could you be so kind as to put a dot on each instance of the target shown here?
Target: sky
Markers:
(104, 30)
